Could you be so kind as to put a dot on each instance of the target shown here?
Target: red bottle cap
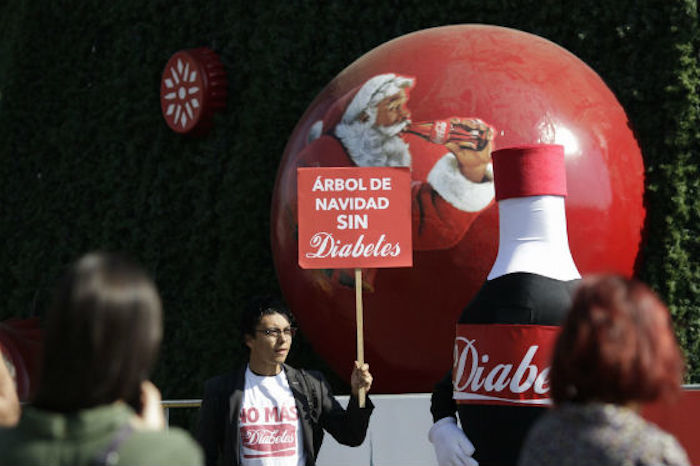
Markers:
(529, 170)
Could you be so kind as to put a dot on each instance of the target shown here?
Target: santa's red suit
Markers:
(444, 202)
(499, 382)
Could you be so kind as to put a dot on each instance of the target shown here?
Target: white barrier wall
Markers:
(398, 430)
(397, 435)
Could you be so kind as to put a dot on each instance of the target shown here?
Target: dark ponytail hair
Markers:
(103, 332)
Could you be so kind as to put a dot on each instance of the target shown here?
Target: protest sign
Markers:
(354, 217)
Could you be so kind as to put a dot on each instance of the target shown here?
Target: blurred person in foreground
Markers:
(9, 401)
(269, 413)
(616, 350)
(94, 403)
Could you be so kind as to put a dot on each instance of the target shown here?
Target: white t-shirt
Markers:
(269, 428)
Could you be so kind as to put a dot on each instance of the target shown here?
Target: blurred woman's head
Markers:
(102, 335)
(616, 345)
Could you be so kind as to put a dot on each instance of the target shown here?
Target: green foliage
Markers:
(88, 162)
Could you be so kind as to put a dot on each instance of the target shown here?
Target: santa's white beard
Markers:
(370, 146)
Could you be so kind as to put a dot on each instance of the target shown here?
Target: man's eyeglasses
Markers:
(275, 332)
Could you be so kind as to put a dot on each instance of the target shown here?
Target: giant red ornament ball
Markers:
(528, 90)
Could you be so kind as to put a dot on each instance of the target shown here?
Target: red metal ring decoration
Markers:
(193, 87)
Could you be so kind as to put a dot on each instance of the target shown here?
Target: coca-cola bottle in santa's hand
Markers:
(469, 132)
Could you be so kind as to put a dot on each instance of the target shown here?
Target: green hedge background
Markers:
(88, 162)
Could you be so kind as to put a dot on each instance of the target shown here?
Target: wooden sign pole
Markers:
(360, 338)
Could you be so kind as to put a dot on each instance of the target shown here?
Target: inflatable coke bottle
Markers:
(499, 381)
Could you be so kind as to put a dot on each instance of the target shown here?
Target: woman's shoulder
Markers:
(173, 446)
(659, 447)
(607, 433)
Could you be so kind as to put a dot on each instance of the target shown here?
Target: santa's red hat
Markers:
(349, 107)
(373, 91)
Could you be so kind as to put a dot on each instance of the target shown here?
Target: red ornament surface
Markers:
(527, 90)
(192, 89)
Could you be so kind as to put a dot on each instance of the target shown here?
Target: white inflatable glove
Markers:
(452, 447)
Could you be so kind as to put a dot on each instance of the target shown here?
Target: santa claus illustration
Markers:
(499, 381)
(450, 159)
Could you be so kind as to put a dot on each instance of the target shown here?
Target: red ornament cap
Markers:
(192, 89)
(529, 170)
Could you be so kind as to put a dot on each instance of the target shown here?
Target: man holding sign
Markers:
(268, 413)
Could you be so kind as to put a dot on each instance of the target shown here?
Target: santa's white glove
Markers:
(452, 447)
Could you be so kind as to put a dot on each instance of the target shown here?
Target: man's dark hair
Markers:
(103, 332)
(256, 309)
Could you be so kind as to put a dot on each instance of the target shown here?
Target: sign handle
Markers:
(360, 339)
